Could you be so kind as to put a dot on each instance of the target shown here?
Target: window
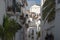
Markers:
(29, 36)
(9, 8)
(32, 32)
(32, 37)
(58, 1)
(26, 15)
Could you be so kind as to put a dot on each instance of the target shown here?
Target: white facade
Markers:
(57, 21)
(53, 26)
(35, 8)
(8, 3)
(31, 32)
(34, 23)
(3, 6)
(20, 34)
(2, 11)
(45, 25)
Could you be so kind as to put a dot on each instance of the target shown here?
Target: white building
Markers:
(34, 24)
(2, 11)
(35, 8)
(14, 8)
(9, 2)
(57, 20)
(35, 11)
(6, 7)
(32, 33)
(51, 21)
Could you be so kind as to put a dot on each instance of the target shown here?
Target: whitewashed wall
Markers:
(57, 25)
(2, 11)
(19, 35)
(29, 31)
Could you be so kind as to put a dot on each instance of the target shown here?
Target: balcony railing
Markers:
(9, 8)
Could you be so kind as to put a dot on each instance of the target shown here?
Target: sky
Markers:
(32, 2)
(37, 1)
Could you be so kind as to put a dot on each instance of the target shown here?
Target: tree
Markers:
(9, 28)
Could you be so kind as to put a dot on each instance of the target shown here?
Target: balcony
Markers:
(9, 13)
(9, 8)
